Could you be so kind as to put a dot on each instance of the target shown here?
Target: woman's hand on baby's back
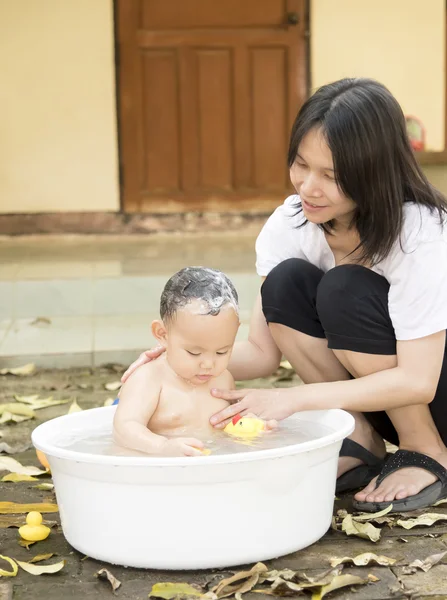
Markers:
(183, 447)
(144, 358)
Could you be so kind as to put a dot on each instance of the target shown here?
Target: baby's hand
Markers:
(183, 447)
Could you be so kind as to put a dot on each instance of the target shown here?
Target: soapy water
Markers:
(289, 432)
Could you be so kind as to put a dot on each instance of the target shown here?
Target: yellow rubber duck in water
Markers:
(245, 427)
(34, 531)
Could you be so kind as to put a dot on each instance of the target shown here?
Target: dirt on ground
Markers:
(78, 578)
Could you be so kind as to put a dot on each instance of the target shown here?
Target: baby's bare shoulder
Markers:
(149, 374)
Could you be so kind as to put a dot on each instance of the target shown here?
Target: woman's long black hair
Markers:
(374, 164)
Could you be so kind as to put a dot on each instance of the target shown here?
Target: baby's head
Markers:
(199, 322)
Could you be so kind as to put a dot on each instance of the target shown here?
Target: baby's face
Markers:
(199, 346)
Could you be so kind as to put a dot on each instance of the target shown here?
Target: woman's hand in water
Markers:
(274, 404)
(144, 358)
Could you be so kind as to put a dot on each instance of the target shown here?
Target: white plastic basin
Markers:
(193, 512)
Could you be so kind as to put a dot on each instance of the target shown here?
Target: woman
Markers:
(355, 296)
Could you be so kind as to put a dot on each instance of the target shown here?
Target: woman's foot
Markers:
(367, 437)
(405, 482)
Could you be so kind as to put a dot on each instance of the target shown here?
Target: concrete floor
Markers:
(77, 580)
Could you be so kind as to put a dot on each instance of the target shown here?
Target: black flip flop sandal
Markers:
(427, 497)
(360, 476)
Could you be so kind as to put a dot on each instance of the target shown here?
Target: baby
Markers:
(168, 398)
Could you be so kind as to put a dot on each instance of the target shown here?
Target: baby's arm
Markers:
(138, 402)
(139, 398)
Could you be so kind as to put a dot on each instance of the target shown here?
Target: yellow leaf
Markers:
(241, 582)
(113, 386)
(286, 365)
(74, 407)
(45, 487)
(11, 508)
(27, 369)
(41, 569)
(362, 530)
(171, 591)
(372, 516)
(337, 583)
(13, 466)
(16, 408)
(364, 559)
(8, 417)
(109, 401)
(40, 557)
(106, 575)
(26, 399)
(17, 477)
(25, 543)
(12, 573)
(37, 403)
(427, 520)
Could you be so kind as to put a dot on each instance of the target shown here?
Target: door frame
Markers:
(126, 70)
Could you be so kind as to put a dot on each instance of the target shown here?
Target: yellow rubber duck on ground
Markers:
(245, 427)
(34, 531)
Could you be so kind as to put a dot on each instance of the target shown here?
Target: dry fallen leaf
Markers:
(361, 560)
(41, 569)
(13, 466)
(12, 520)
(287, 581)
(25, 543)
(26, 399)
(37, 403)
(286, 574)
(11, 508)
(8, 417)
(16, 449)
(241, 582)
(174, 591)
(17, 408)
(364, 530)
(74, 407)
(41, 557)
(41, 322)
(424, 565)
(18, 477)
(24, 370)
(361, 517)
(45, 487)
(12, 573)
(427, 520)
(339, 582)
(113, 386)
(106, 575)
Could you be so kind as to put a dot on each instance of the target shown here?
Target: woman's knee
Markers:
(352, 304)
(288, 296)
(293, 275)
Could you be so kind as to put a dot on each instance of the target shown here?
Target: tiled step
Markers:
(74, 302)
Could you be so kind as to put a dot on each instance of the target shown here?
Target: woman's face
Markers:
(312, 175)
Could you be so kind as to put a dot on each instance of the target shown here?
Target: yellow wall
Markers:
(398, 42)
(58, 142)
(58, 147)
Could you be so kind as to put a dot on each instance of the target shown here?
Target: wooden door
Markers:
(208, 90)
